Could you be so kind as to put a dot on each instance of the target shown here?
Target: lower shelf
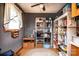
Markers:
(62, 54)
(39, 46)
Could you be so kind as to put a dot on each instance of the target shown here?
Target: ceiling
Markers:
(50, 7)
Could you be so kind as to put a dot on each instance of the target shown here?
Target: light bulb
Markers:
(41, 6)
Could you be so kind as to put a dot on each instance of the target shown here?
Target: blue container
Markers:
(46, 46)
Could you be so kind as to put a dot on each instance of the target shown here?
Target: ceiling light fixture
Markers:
(42, 6)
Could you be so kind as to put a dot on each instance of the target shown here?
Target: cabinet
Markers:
(74, 50)
(28, 43)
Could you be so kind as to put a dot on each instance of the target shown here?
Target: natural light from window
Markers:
(14, 19)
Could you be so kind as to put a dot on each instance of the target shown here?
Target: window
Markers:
(12, 17)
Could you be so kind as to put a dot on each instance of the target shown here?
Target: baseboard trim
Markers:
(16, 53)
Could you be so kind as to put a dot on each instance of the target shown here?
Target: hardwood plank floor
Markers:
(26, 50)
(28, 47)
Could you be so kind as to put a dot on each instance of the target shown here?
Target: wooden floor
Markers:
(25, 50)
(28, 47)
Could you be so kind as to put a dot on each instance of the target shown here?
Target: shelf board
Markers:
(73, 26)
(62, 16)
(47, 37)
(39, 37)
(47, 32)
(61, 26)
(67, 26)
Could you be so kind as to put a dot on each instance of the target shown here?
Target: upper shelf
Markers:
(62, 16)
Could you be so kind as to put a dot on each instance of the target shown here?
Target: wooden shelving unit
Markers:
(28, 43)
(43, 30)
(65, 29)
